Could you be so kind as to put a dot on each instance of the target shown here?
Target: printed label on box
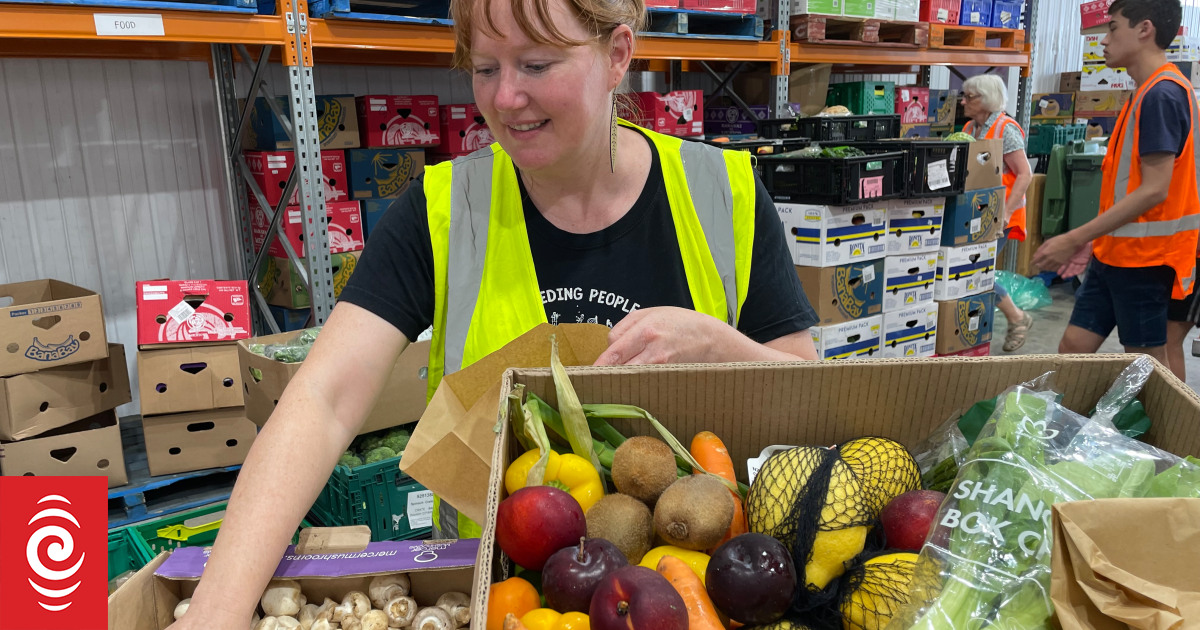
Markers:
(420, 509)
(939, 175)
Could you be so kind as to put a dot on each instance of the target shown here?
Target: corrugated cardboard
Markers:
(288, 290)
(915, 225)
(965, 322)
(840, 294)
(343, 228)
(677, 113)
(271, 169)
(1069, 81)
(985, 163)
(973, 217)
(176, 380)
(1100, 103)
(402, 400)
(337, 123)
(752, 406)
(463, 129)
(34, 403)
(860, 338)
(910, 332)
(1055, 105)
(383, 173)
(825, 236)
(966, 270)
(91, 446)
(398, 121)
(908, 280)
(192, 311)
(44, 323)
(1033, 228)
(184, 442)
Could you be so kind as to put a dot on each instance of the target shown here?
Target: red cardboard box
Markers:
(398, 121)
(1094, 13)
(722, 6)
(192, 311)
(678, 113)
(463, 129)
(982, 350)
(912, 103)
(662, 4)
(271, 168)
(344, 228)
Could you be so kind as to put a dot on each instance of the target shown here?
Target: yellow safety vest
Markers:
(485, 283)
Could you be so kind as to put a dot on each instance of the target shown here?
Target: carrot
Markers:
(710, 452)
(702, 614)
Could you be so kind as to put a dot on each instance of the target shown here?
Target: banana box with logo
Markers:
(271, 169)
(965, 322)
(46, 323)
(343, 228)
(281, 284)
(36, 402)
(192, 311)
(911, 332)
(973, 217)
(827, 236)
(398, 121)
(383, 173)
(463, 129)
(88, 447)
(963, 271)
(856, 339)
(337, 123)
(1100, 103)
(183, 442)
(840, 294)
(908, 280)
(915, 225)
(1058, 105)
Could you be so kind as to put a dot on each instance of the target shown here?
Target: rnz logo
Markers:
(59, 551)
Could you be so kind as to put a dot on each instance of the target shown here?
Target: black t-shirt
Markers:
(598, 277)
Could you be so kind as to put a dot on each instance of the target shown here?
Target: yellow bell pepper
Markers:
(697, 560)
(547, 619)
(567, 471)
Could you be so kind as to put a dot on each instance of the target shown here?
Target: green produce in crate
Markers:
(379, 454)
(959, 136)
(349, 460)
(842, 152)
(396, 439)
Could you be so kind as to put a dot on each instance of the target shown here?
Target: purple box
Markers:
(730, 120)
(378, 557)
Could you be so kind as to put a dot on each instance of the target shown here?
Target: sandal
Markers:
(1015, 338)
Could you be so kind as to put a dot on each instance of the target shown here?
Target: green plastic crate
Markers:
(864, 98)
(377, 495)
(126, 552)
(1043, 138)
(170, 532)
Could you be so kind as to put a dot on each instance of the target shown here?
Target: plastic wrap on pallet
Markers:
(885, 9)
(907, 11)
(859, 8)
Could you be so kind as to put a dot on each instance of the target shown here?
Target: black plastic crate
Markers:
(840, 128)
(835, 181)
(922, 155)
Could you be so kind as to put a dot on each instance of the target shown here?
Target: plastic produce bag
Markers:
(1119, 408)
(295, 350)
(1027, 293)
(986, 564)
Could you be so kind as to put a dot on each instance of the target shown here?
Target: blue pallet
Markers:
(218, 6)
(404, 11)
(694, 24)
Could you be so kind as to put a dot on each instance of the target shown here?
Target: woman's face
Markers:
(973, 104)
(542, 102)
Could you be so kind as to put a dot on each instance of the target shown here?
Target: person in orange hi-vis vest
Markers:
(1140, 251)
(983, 99)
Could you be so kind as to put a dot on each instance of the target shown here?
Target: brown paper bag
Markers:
(1127, 563)
(450, 451)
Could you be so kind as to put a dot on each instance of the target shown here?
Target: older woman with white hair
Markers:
(983, 100)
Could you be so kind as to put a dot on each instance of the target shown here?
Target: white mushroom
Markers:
(267, 623)
(432, 618)
(375, 620)
(325, 611)
(458, 606)
(282, 597)
(355, 604)
(385, 587)
(287, 623)
(351, 623)
(254, 619)
(308, 614)
(182, 607)
(401, 611)
(324, 624)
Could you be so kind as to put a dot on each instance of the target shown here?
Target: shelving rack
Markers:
(291, 38)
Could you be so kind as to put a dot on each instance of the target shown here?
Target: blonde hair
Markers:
(993, 95)
(599, 17)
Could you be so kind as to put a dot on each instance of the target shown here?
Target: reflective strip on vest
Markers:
(1125, 160)
(708, 179)
(470, 204)
(1158, 228)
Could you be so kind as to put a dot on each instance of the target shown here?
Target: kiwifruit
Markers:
(643, 467)
(623, 521)
(694, 513)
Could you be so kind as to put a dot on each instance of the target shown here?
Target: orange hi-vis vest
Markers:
(1016, 222)
(1167, 233)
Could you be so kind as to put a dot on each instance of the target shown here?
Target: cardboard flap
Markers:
(345, 539)
(143, 603)
(458, 426)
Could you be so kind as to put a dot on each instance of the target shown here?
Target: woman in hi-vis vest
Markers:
(571, 216)
(983, 100)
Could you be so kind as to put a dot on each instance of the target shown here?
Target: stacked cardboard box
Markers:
(678, 113)
(463, 131)
(909, 312)
(60, 381)
(189, 382)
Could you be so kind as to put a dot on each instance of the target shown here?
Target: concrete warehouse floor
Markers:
(1050, 322)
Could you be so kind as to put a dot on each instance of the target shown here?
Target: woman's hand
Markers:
(666, 334)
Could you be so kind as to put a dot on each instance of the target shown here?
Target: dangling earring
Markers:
(612, 138)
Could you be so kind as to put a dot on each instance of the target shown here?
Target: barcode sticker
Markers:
(943, 15)
(976, 226)
(938, 175)
(869, 273)
(974, 325)
(974, 17)
(181, 312)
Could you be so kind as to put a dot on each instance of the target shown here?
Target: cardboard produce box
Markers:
(965, 322)
(678, 113)
(726, 120)
(908, 280)
(982, 350)
(337, 123)
(383, 173)
(402, 400)
(916, 131)
(1058, 105)
(184, 442)
(985, 164)
(911, 332)
(271, 169)
(33, 403)
(1100, 103)
(323, 563)
(825, 236)
(840, 294)
(966, 270)
(1069, 81)
(175, 380)
(915, 225)
(287, 290)
(44, 323)
(973, 217)
(192, 311)
(343, 228)
(1033, 227)
(943, 104)
(89, 447)
(398, 121)
(849, 340)
(372, 212)
(463, 129)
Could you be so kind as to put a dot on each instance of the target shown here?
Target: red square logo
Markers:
(54, 542)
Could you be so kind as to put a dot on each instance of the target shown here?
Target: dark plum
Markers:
(751, 578)
(572, 574)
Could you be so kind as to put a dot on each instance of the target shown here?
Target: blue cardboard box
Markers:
(976, 13)
(1057, 105)
(973, 217)
(845, 292)
(337, 123)
(383, 173)
(290, 319)
(943, 104)
(372, 212)
(965, 322)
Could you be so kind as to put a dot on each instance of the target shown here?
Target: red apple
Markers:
(534, 522)
(637, 598)
(908, 519)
